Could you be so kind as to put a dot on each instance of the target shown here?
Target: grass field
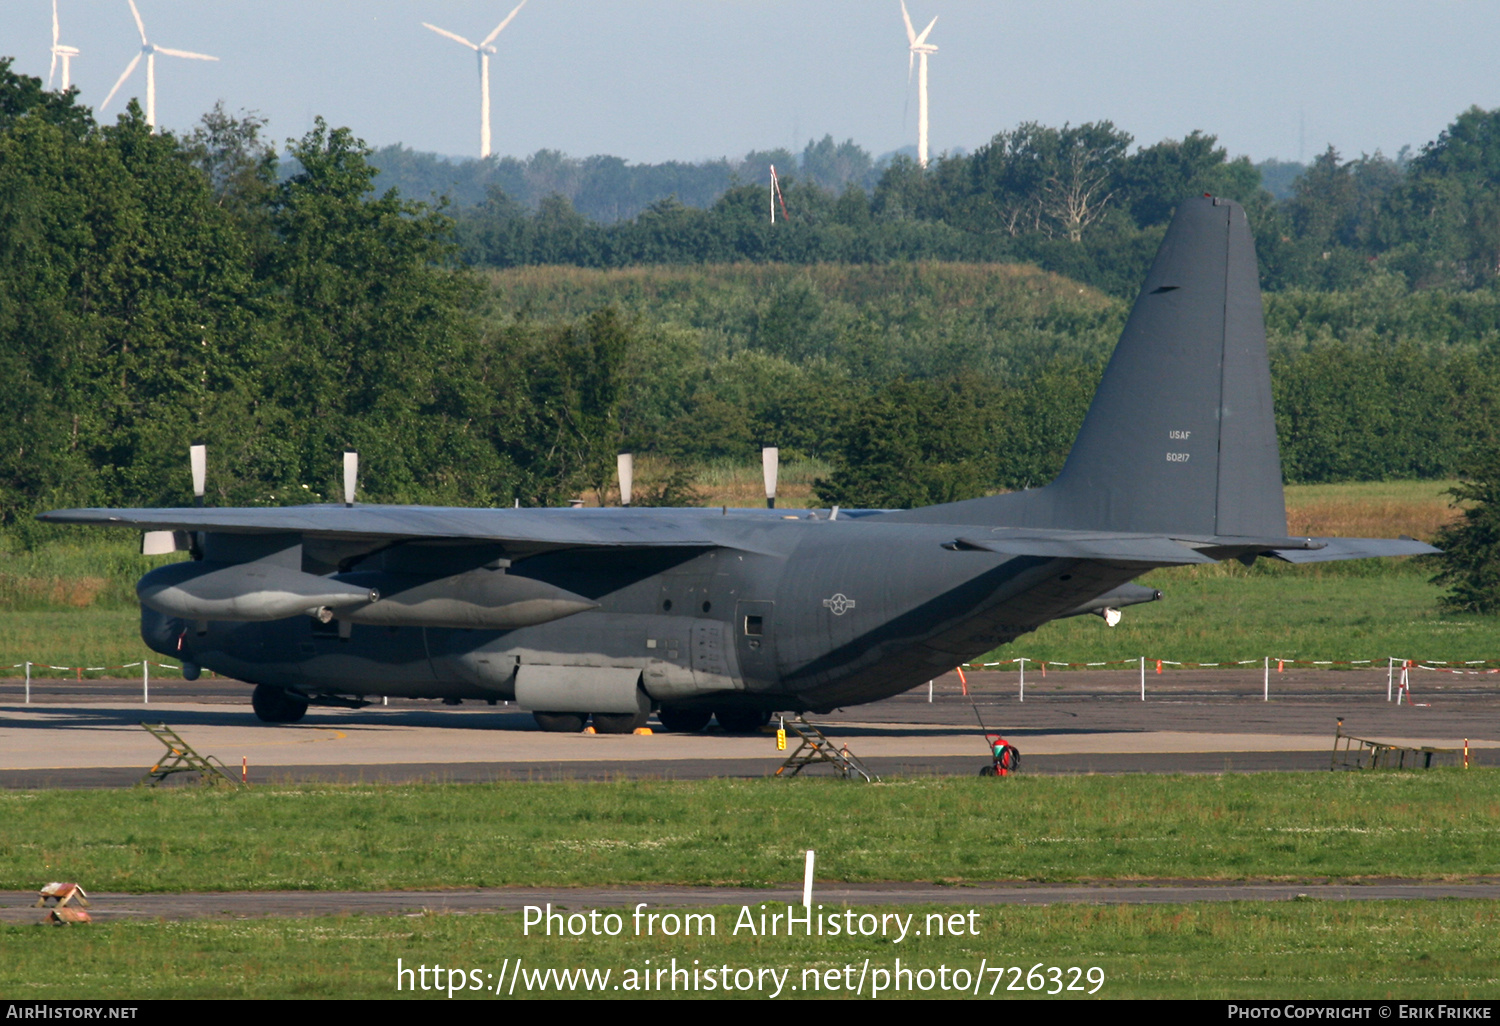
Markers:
(1302, 949)
(1438, 824)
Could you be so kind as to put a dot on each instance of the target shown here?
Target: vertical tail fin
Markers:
(1181, 435)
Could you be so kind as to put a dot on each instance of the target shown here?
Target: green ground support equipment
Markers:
(181, 758)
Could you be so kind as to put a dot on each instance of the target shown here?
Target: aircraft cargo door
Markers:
(755, 636)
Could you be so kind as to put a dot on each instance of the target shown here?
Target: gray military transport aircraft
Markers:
(736, 613)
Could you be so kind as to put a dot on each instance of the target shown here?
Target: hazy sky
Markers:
(653, 80)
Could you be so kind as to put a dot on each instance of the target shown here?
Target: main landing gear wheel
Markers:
(560, 722)
(684, 721)
(741, 721)
(618, 723)
(275, 705)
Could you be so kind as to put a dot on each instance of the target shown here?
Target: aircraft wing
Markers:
(1355, 548)
(529, 529)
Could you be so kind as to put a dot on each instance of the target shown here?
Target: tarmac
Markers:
(88, 734)
(85, 734)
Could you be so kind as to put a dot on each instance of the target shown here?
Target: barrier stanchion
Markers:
(1390, 674)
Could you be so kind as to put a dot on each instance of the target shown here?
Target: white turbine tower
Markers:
(149, 50)
(67, 53)
(919, 48)
(483, 51)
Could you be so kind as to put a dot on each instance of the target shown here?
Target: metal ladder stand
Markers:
(815, 748)
(181, 758)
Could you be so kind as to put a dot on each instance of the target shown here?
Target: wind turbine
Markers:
(919, 48)
(483, 51)
(149, 50)
(67, 53)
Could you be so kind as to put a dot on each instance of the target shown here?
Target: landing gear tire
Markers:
(684, 721)
(618, 723)
(275, 705)
(741, 721)
(987, 771)
(560, 722)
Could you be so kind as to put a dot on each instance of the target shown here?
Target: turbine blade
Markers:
(501, 27)
(923, 37)
(456, 38)
(185, 53)
(54, 32)
(911, 59)
(911, 33)
(140, 25)
(128, 69)
(52, 68)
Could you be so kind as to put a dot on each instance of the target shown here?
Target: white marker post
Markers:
(929, 692)
(1268, 678)
(1022, 661)
(1390, 672)
(145, 682)
(1143, 678)
(28, 682)
(807, 880)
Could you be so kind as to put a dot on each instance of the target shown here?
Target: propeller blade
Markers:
(770, 462)
(626, 466)
(351, 475)
(501, 27)
(911, 33)
(185, 53)
(198, 459)
(140, 25)
(923, 37)
(451, 35)
(128, 69)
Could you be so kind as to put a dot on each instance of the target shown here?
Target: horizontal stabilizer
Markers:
(1117, 548)
(1355, 548)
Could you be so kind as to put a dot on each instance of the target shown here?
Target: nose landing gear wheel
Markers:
(275, 705)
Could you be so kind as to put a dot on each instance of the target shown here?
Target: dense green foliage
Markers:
(1471, 544)
(157, 290)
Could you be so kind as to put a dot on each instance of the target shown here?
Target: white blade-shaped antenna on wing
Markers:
(501, 27)
(128, 69)
(451, 35)
(139, 24)
(185, 53)
(198, 460)
(351, 475)
(923, 37)
(52, 69)
(626, 466)
(770, 463)
(911, 33)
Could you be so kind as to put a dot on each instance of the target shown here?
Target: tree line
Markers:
(1076, 200)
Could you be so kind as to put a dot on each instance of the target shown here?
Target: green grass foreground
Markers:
(1435, 824)
(1288, 950)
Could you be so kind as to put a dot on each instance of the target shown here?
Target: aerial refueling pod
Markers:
(488, 599)
(247, 592)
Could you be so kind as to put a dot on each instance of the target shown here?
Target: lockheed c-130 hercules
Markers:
(736, 613)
